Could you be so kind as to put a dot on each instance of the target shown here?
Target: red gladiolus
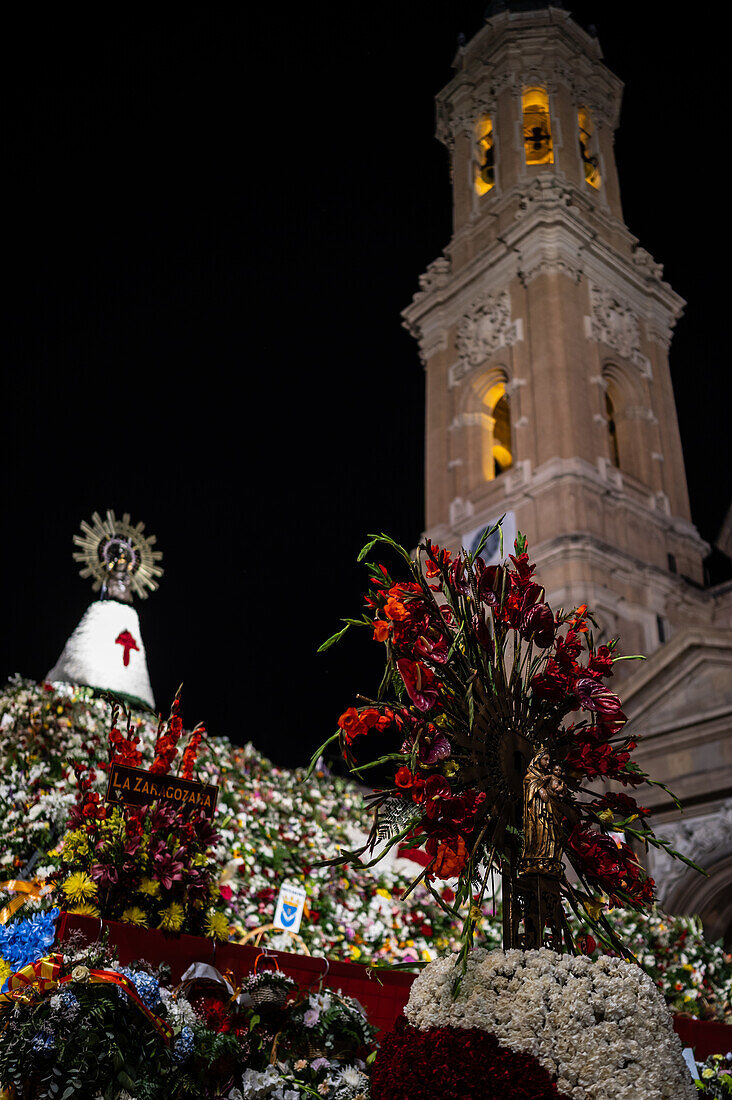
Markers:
(551, 684)
(351, 724)
(404, 777)
(601, 662)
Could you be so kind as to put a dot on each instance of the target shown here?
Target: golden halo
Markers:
(101, 536)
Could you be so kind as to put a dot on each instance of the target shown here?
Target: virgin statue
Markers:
(544, 792)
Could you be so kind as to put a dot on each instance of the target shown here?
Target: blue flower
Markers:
(148, 988)
(184, 1044)
(24, 941)
(44, 1042)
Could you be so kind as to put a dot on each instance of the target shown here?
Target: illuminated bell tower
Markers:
(544, 331)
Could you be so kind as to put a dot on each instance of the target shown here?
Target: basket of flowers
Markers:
(268, 989)
(329, 1025)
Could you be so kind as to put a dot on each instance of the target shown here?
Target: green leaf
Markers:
(367, 548)
(333, 639)
(318, 753)
(484, 538)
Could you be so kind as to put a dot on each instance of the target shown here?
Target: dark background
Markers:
(212, 222)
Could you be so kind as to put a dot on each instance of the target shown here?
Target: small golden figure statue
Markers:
(544, 793)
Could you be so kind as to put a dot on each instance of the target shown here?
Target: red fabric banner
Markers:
(383, 993)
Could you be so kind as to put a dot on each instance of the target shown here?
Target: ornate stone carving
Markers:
(483, 330)
(436, 275)
(614, 324)
(454, 119)
(645, 263)
(698, 838)
(544, 193)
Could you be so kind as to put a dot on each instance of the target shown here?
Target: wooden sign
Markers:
(136, 787)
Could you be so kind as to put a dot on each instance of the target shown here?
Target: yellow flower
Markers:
(84, 909)
(384, 893)
(135, 915)
(5, 971)
(217, 926)
(171, 918)
(149, 886)
(355, 952)
(593, 906)
(79, 887)
(607, 816)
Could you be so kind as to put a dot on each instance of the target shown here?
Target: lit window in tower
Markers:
(497, 454)
(590, 159)
(537, 127)
(483, 153)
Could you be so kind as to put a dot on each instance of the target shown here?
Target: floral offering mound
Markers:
(273, 826)
(451, 1063)
(599, 1027)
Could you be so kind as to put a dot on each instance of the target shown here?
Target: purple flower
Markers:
(167, 869)
(104, 874)
(310, 1019)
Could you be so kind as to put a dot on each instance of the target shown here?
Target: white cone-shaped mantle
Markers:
(106, 651)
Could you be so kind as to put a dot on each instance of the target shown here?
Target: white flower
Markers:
(600, 1028)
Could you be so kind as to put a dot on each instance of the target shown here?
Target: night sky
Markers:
(212, 224)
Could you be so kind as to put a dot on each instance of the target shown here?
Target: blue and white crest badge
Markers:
(290, 904)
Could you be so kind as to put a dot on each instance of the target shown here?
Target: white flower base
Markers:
(599, 1027)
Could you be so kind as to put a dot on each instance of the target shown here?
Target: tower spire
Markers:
(544, 330)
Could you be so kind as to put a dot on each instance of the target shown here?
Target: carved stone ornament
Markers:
(436, 275)
(453, 119)
(484, 329)
(698, 838)
(614, 324)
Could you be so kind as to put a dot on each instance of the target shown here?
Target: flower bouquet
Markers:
(148, 866)
(508, 767)
(504, 737)
(328, 1025)
(83, 1026)
(268, 989)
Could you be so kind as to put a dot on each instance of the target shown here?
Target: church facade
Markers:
(544, 330)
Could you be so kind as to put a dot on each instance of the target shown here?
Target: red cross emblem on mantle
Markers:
(126, 640)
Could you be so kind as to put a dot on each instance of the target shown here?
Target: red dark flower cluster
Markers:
(591, 755)
(124, 750)
(613, 865)
(450, 1063)
(354, 722)
(191, 752)
(166, 746)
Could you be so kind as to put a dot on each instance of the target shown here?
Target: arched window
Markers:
(484, 172)
(497, 449)
(612, 429)
(588, 151)
(537, 127)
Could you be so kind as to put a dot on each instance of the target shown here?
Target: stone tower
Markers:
(544, 330)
